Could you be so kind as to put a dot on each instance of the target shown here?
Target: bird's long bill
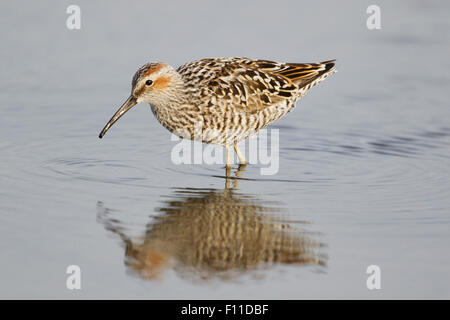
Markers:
(131, 101)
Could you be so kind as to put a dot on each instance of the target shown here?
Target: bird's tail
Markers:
(316, 72)
(329, 65)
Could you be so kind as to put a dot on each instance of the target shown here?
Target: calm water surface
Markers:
(364, 173)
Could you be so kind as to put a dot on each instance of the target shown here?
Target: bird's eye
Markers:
(148, 82)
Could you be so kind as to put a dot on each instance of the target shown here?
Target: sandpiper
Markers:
(229, 99)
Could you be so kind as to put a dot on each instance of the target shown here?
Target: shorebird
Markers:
(221, 100)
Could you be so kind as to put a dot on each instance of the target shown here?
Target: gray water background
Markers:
(364, 157)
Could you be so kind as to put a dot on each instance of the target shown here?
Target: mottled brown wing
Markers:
(250, 84)
(301, 74)
(238, 81)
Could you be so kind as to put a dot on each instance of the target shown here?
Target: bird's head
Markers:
(156, 83)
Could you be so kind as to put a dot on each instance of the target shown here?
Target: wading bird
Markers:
(222, 100)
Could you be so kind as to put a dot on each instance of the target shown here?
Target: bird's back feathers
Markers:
(253, 84)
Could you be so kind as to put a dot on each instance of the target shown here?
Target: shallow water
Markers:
(363, 176)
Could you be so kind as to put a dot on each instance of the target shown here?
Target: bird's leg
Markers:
(228, 165)
(240, 155)
(227, 169)
(240, 169)
(238, 172)
(227, 178)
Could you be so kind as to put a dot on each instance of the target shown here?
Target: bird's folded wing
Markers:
(249, 84)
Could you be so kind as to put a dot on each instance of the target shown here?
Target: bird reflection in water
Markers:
(211, 233)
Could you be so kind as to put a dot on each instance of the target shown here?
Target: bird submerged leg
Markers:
(227, 177)
(240, 155)
(228, 165)
(238, 172)
(227, 169)
(235, 180)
